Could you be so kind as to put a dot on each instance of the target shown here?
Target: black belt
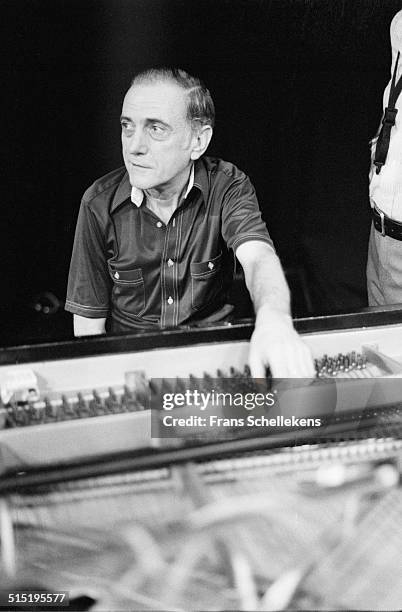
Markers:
(386, 226)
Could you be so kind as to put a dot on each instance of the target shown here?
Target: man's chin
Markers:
(140, 181)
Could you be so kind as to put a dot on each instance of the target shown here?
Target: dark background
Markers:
(298, 90)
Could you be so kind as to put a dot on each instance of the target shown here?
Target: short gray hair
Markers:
(200, 106)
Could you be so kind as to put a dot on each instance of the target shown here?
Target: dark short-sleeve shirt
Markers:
(130, 267)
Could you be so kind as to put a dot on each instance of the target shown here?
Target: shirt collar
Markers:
(122, 192)
(198, 178)
(201, 180)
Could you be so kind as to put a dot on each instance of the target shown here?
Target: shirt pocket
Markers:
(206, 281)
(128, 293)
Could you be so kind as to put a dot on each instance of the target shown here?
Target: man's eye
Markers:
(158, 131)
(127, 127)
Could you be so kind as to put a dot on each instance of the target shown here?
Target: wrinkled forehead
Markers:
(157, 100)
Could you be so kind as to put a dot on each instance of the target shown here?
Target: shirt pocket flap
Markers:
(205, 268)
(125, 276)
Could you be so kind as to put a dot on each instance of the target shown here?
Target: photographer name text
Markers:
(250, 421)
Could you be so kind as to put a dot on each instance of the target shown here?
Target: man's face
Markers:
(156, 136)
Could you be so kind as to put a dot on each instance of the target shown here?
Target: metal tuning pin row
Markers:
(75, 405)
(340, 364)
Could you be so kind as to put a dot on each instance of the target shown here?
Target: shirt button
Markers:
(170, 300)
(117, 275)
(170, 262)
(159, 224)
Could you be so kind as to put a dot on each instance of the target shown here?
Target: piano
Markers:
(100, 499)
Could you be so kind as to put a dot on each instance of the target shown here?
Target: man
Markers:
(384, 265)
(152, 240)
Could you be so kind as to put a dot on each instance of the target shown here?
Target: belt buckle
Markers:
(382, 216)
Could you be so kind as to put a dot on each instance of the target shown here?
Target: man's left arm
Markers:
(275, 342)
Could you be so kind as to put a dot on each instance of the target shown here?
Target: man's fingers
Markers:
(287, 360)
(304, 364)
(257, 367)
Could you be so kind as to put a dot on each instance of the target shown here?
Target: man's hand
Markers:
(276, 344)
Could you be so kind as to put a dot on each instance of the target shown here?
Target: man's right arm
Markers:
(83, 326)
(89, 282)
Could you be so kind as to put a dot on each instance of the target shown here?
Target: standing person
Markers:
(384, 265)
(152, 238)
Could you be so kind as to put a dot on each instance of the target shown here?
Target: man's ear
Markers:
(202, 139)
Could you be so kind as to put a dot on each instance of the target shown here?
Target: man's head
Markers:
(167, 122)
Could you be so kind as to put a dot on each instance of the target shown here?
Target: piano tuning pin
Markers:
(110, 399)
(30, 410)
(38, 411)
(202, 384)
(10, 420)
(180, 385)
(130, 402)
(194, 381)
(23, 416)
(112, 395)
(82, 405)
(167, 386)
(67, 406)
(49, 410)
(3, 417)
(98, 402)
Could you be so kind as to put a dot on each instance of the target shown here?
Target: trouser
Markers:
(384, 270)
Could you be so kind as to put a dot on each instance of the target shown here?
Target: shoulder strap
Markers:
(388, 121)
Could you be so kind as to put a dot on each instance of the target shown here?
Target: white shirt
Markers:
(386, 187)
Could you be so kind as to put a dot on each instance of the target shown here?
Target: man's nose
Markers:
(138, 143)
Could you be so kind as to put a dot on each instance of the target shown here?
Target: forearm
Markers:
(265, 279)
(84, 326)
